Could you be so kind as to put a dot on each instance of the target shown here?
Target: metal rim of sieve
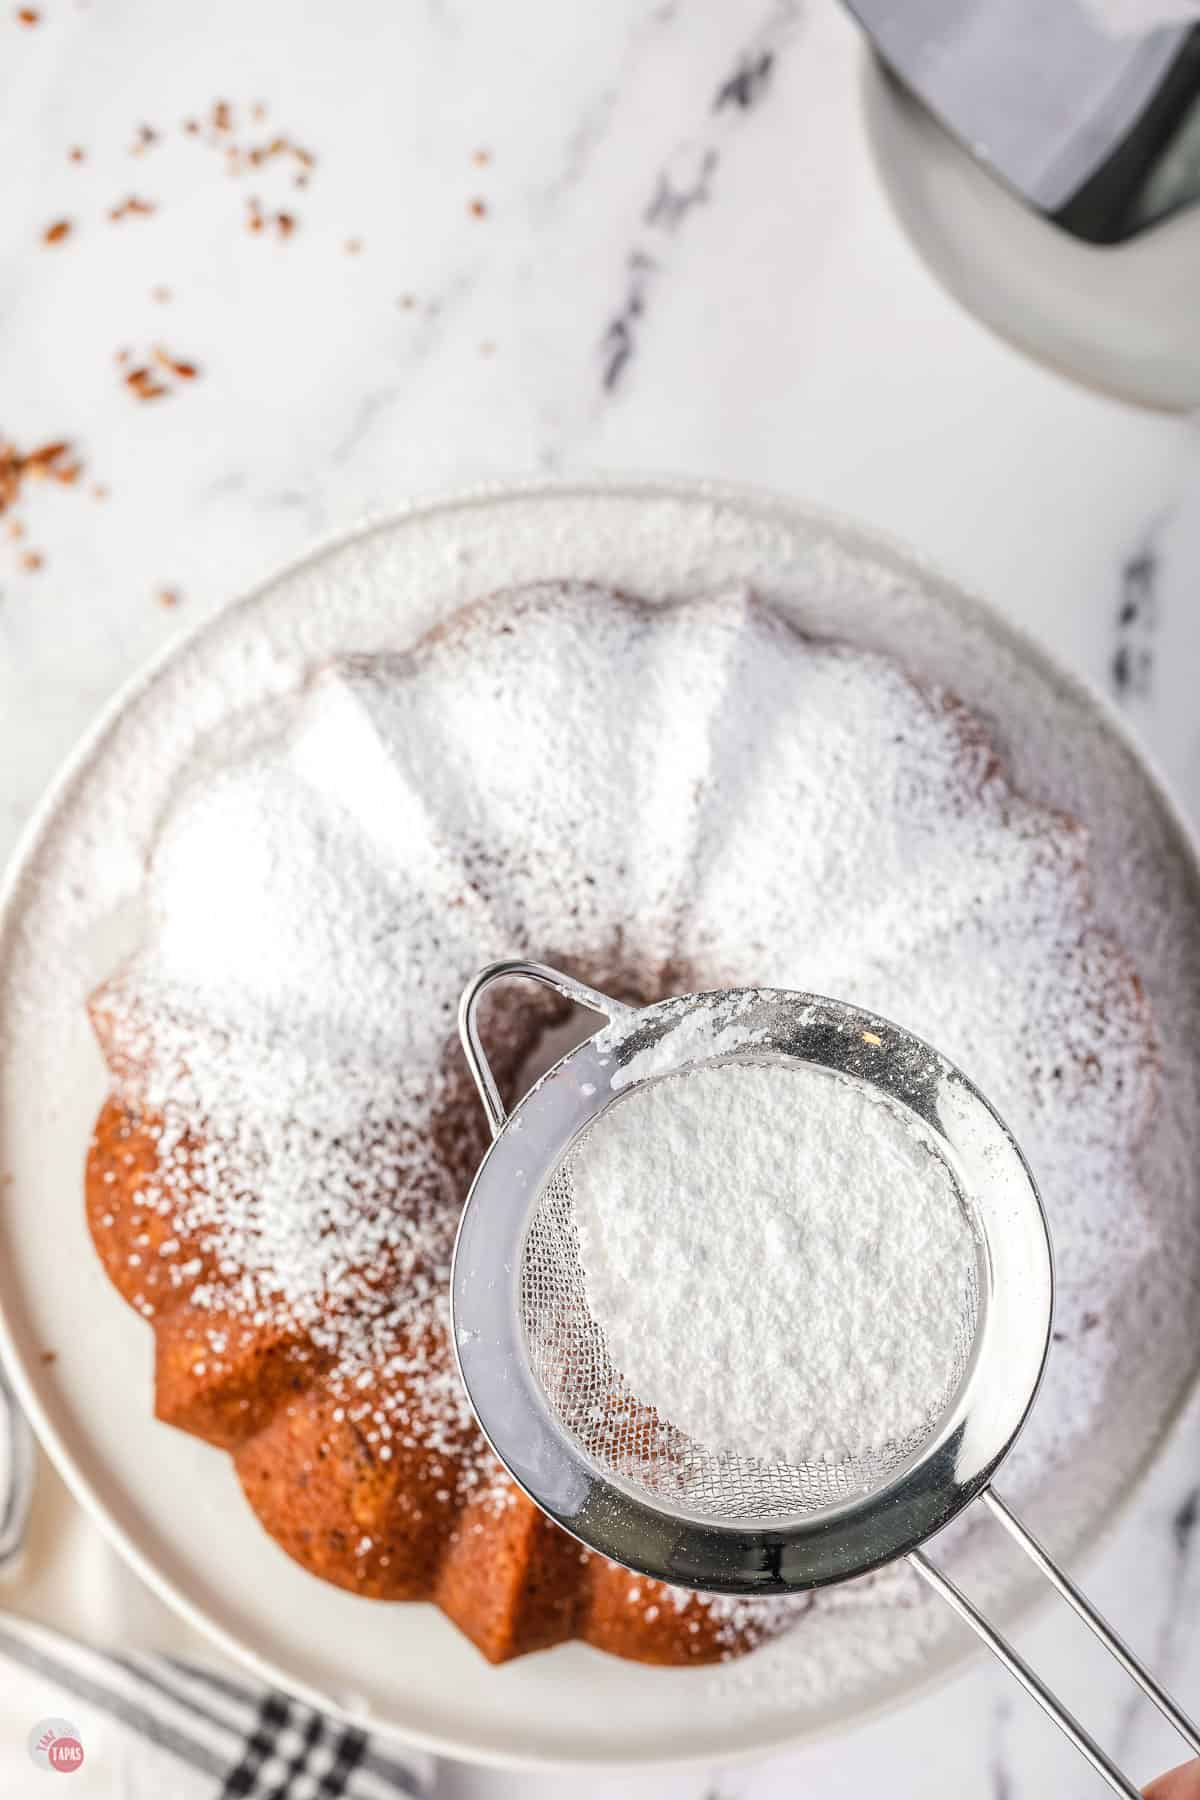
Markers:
(973, 1435)
(830, 1543)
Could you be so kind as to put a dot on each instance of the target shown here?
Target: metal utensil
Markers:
(631, 1485)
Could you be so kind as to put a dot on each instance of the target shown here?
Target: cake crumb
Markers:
(143, 384)
(58, 232)
(175, 365)
(133, 206)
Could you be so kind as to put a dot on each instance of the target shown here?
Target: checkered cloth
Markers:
(152, 1726)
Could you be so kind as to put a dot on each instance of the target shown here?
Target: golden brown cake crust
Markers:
(421, 1524)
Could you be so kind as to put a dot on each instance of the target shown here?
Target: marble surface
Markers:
(540, 239)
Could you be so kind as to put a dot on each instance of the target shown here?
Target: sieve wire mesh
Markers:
(626, 1439)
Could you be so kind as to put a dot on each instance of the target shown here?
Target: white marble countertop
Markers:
(536, 238)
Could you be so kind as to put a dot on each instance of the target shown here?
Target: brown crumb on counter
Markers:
(99, 491)
(49, 459)
(477, 209)
(145, 385)
(54, 234)
(52, 461)
(161, 294)
(481, 158)
(156, 373)
(146, 138)
(353, 246)
(279, 146)
(132, 206)
(168, 597)
(28, 15)
(76, 154)
(186, 371)
(239, 158)
(32, 560)
(219, 130)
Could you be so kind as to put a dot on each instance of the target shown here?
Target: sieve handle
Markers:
(514, 969)
(1028, 1677)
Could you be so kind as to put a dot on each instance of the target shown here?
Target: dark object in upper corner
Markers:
(1097, 132)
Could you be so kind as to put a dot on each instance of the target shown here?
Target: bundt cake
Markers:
(655, 797)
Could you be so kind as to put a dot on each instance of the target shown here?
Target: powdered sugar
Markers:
(694, 1031)
(779, 1263)
(320, 889)
(676, 727)
(319, 895)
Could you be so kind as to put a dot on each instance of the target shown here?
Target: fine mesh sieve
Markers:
(628, 1439)
(632, 1485)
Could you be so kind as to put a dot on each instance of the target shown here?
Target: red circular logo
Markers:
(56, 1744)
(66, 1754)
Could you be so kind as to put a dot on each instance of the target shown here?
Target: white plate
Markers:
(170, 1504)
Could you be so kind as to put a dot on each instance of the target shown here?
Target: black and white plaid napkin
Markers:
(151, 1726)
